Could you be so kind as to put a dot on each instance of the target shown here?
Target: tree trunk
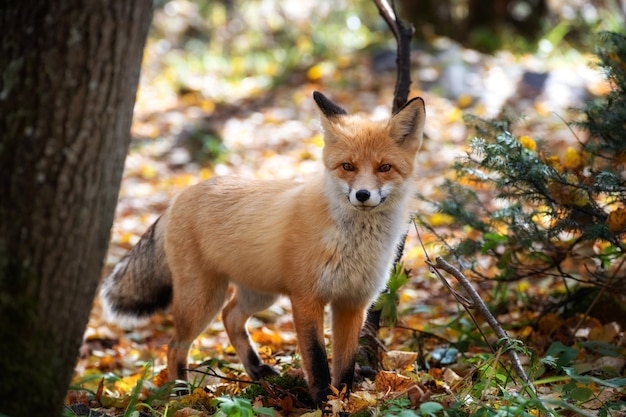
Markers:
(69, 71)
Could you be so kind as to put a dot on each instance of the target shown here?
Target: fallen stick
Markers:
(475, 302)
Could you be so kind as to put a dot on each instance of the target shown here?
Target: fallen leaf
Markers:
(601, 399)
(392, 382)
(316, 413)
(398, 360)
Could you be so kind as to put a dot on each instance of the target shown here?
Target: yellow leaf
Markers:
(542, 108)
(464, 100)
(362, 399)
(148, 171)
(207, 106)
(316, 413)
(344, 61)
(266, 337)
(454, 115)
(572, 159)
(528, 143)
(126, 384)
(555, 162)
(316, 72)
(205, 174)
(440, 219)
(318, 140)
(190, 99)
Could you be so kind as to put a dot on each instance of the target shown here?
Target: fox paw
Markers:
(263, 371)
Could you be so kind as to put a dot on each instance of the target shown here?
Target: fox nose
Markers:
(362, 195)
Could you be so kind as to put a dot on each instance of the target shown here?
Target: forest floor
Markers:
(181, 138)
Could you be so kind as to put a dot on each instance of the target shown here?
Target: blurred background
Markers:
(211, 62)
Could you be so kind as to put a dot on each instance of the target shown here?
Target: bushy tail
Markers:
(140, 284)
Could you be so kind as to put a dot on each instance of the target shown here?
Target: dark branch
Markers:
(403, 35)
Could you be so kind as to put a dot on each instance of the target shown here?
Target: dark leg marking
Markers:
(320, 374)
(180, 371)
(258, 369)
(347, 376)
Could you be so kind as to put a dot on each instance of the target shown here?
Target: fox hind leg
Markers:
(235, 315)
(196, 302)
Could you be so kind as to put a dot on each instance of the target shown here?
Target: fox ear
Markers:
(328, 108)
(407, 125)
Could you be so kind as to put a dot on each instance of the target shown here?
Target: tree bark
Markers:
(69, 71)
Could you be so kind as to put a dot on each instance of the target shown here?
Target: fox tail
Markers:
(141, 283)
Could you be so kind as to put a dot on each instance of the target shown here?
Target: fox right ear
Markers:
(407, 125)
(328, 108)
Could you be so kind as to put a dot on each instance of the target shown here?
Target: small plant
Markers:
(399, 407)
(238, 407)
(387, 301)
(281, 384)
(527, 212)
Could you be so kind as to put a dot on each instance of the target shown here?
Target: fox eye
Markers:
(347, 167)
(384, 168)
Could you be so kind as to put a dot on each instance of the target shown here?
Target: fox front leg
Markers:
(347, 321)
(308, 317)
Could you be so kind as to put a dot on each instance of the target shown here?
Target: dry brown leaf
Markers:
(418, 395)
(190, 412)
(609, 362)
(601, 399)
(398, 360)
(450, 377)
(392, 382)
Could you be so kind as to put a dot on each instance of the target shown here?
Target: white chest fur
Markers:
(360, 250)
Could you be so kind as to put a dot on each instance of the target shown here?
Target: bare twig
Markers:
(465, 302)
(479, 305)
(211, 372)
(475, 302)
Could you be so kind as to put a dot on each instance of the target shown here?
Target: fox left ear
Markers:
(407, 125)
(328, 108)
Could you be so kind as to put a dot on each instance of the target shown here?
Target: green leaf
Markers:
(564, 353)
(603, 348)
(430, 408)
(580, 394)
(407, 413)
(585, 379)
(398, 278)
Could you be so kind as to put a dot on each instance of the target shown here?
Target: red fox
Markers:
(329, 240)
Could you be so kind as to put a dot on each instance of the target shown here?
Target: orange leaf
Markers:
(617, 220)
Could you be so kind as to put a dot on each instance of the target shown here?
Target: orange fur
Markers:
(330, 240)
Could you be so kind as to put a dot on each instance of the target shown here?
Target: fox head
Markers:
(370, 163)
